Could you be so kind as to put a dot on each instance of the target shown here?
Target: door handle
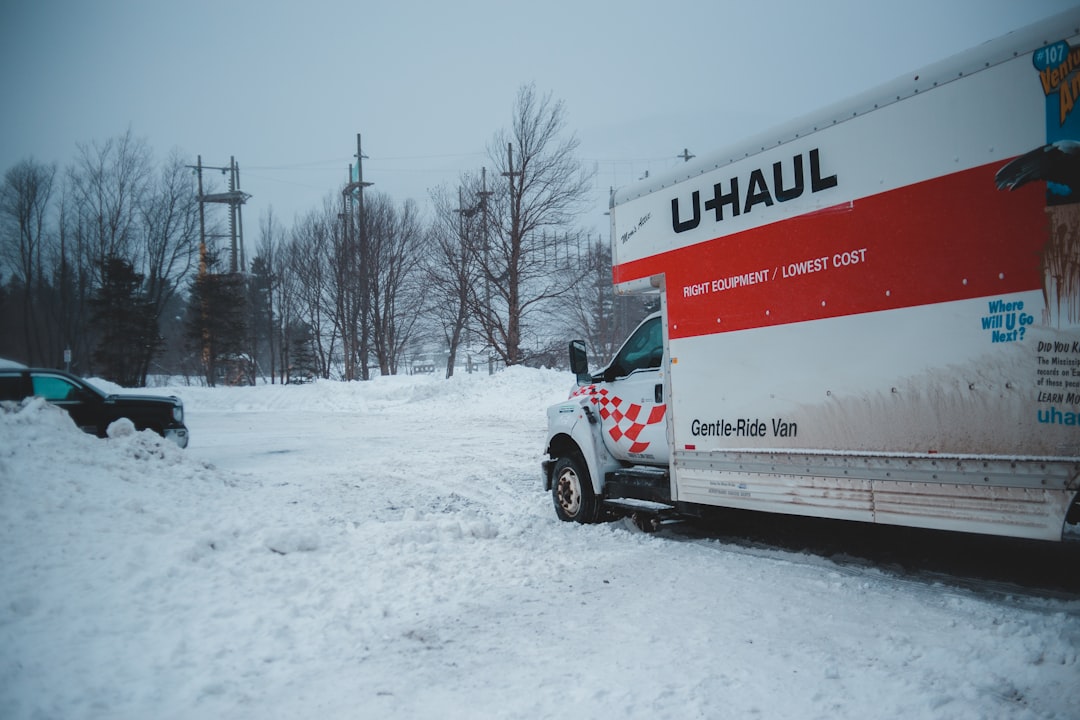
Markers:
(659, 393)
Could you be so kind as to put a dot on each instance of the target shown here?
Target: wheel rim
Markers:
(568, 492)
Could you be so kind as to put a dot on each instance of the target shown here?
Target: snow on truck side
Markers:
(872, 313)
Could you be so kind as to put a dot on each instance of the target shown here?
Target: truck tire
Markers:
(572, 491)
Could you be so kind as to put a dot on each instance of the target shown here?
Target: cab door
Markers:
(628, 397)
(82, 404)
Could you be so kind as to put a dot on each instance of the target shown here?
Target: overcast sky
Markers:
(284, 87)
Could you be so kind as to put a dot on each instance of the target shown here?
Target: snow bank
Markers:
(383, 549)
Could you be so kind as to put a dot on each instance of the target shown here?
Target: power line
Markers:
(335, 163)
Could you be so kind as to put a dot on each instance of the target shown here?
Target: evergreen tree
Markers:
(303, 365)
(217, 322)
(126, 323)
(7, 324)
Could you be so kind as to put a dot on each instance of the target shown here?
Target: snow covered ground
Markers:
(384, 550)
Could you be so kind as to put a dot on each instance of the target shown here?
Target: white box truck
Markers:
(871, 313)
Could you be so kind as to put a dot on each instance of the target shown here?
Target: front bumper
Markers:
(177, 435)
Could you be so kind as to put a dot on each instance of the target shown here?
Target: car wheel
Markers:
(573, 493)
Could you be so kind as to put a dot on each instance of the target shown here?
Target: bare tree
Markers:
(286, 291)
(597, 314)
(69, 313)
(106, 188)
(310, 259)
(167, 244)
(453, 267)
(527, 263)
(267, 271)
(395, 248)
(24, 203)
(108, 183)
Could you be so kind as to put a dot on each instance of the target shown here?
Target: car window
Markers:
(644, 349)
(54, 388)
(11, 387)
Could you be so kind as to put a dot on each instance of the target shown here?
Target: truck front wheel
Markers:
(573, 493)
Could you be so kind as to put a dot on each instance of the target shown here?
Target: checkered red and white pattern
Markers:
(629, 422)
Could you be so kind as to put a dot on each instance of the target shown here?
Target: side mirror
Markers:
(579, 362)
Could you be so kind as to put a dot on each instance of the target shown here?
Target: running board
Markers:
(638, 483)
(641, 493)
(645, 514)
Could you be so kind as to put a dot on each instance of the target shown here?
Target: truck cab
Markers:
(612, 430)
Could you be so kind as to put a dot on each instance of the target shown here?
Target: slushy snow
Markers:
(385, 550)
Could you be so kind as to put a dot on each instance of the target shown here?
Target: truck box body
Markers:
(873, 313)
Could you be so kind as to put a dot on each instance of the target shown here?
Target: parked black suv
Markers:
(91, 409)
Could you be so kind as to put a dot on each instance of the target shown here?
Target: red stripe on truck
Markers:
(955, 237)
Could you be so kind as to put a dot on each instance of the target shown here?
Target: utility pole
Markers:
(234, 186)
(349, 303)
(484, 195)
(459, 328)
(202, 208)
(509, 174)
(357, 187)
(462, 212)
(513, 329)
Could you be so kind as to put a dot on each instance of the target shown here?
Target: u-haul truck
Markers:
(870, 314)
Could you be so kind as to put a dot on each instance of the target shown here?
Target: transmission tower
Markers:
(234, 198)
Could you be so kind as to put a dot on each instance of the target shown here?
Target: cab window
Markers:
(12, 387)
(54, 388)
(644, 350)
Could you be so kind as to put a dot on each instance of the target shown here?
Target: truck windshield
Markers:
(644, 349)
